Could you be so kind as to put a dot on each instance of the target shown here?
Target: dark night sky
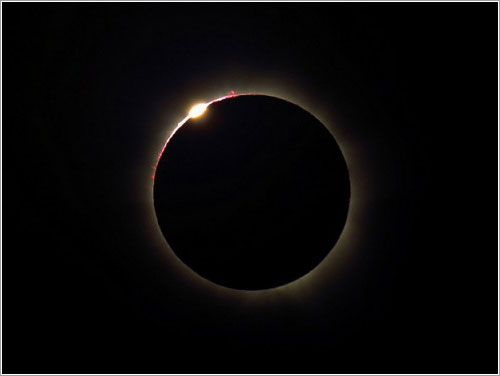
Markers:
(86, 285)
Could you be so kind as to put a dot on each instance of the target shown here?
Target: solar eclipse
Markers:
(251, 191)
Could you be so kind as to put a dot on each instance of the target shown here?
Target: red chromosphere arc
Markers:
(181, 123)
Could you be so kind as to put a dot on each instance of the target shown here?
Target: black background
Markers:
(417, 85)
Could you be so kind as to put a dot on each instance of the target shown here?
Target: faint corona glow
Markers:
(197, 110)
(348, 241)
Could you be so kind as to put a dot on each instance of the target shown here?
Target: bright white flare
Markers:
(197, 110)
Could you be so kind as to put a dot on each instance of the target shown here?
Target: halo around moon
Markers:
(251, 192)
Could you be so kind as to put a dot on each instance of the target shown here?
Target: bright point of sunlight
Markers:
(197, 110)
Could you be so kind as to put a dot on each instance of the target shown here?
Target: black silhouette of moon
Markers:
(253, 193)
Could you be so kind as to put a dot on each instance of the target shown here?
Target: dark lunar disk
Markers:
(252, 194)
